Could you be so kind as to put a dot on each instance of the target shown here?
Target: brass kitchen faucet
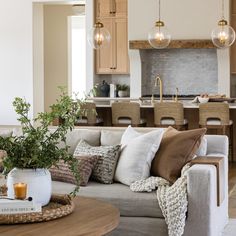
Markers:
(158, 82)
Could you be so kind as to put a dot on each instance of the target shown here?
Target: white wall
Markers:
(55, 51)
(16, 56)
(38, 59)
(185, 19)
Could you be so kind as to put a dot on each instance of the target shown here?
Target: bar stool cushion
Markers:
(127, 121)
(85, 121)
(169, 121)
(216, 122)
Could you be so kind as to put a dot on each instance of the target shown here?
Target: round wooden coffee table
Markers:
(90, 217)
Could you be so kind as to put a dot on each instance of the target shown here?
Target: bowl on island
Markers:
(203, 99)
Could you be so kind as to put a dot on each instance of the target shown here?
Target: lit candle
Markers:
(20, 190)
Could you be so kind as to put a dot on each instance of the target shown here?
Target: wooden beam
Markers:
(144, 44)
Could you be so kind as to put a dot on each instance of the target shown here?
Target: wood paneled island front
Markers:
(191, 113)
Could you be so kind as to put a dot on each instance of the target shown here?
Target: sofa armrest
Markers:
(218, 162)
(204, 218)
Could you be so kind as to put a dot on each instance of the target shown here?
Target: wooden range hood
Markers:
(201, 43)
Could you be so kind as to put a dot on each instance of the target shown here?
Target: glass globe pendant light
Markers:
(159, 37)
(224, 35)
(99, 36)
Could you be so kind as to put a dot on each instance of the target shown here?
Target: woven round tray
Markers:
(59, 206)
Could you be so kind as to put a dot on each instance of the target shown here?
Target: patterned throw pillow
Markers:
(85, 167)
(105, 168)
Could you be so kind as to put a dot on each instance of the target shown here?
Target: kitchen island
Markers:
(191, 112)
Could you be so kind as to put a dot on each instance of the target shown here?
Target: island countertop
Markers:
(107, 101)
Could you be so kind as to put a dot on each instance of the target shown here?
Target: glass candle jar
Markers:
(20, 190)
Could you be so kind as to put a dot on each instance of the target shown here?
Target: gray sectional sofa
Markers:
(140, 212)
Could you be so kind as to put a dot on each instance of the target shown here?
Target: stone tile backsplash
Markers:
(193, 71)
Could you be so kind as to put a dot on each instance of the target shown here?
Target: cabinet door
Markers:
(104, 55)
(105, 8)
(233, 48)
(121, 8)
(233, 6)
(121, 60)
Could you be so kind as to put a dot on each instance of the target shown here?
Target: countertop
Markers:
(107, 101)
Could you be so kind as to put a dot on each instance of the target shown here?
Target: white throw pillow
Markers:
(129, 134)
(138, 151)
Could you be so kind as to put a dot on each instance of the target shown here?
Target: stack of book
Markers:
(9, 206)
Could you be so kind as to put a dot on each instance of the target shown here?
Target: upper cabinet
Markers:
(233, 47)
(111, 8)
(233, 6)
(113, 59)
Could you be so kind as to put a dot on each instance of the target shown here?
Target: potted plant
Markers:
(122, 90)
(30, 155)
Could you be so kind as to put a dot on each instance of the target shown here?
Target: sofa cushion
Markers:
(5, 133)
(109, 137)
(105, 168)
(138, 151)
(92, 137)
(129, 203)
(176, 149)
(62, 171)
(202, 150)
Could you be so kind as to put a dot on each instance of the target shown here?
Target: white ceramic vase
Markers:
(39, 183)
(122, 93)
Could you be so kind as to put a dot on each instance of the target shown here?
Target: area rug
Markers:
(230, 229)
(232, 203)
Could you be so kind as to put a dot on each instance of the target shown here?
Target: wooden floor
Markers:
(232, 190)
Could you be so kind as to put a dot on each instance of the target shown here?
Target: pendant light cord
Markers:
(223, 9)
(159, 10)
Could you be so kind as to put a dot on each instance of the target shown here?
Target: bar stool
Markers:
(126, 113)
(170, 114)
(215, 115)
(89, 115)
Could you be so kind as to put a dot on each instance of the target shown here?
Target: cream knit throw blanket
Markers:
(172, 199)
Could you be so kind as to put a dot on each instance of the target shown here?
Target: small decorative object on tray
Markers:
(20, 190)
(14, 206)
(59, 206)
(3, 190)
(203, 98)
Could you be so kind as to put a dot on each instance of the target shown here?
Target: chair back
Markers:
(168, 110)
(213, 110)
(88, 110)
(125, 110)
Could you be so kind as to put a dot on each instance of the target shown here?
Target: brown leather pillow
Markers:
(176, 149)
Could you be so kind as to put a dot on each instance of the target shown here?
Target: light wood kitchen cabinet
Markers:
(113, 59)
(233, 47)
(111, 8)
(233, 6)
